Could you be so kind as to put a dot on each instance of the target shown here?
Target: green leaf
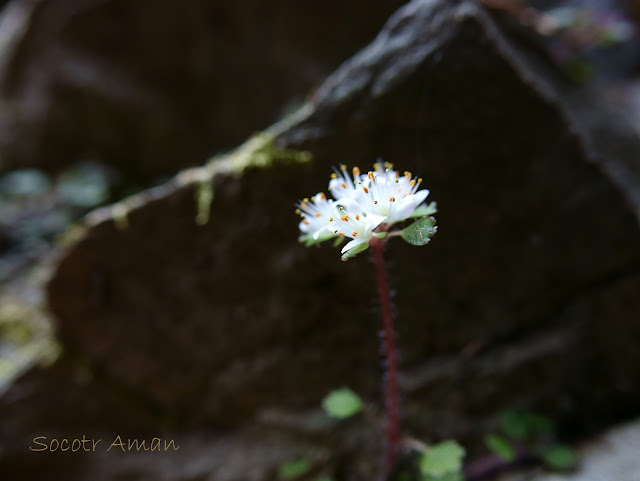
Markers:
(559, 457)
(457, 476)
(420, 232)
(425, 210)
(338, 240)
(514, 423)
(520, 424)
(500, 446)
(354, 251)
(540, 425)
(442, 458)
(342, 403)
(294, 469)
(308, 240)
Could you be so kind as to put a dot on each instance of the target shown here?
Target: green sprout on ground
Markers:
(533, 434)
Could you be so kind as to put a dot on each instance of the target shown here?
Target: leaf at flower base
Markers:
(355, 251)
(442, 458)
(338, 241)
(342, 403)
(559, 457)
(420, 232)
(308, 239)
(425, 210)
(501, 447)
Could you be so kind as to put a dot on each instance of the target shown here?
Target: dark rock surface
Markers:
(525, 297)
(152, 87)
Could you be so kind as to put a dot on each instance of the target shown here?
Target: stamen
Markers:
(318, 214)
(412, 183)
(357, 216)
(420, 180)
(343, 167)
(366, 191)
(334, 176)
(344, 186)
(370, 175)
(375, 201)
(306, 199)
(322, 196)
(392, 199)
(335, 231)
(305, 222)
(356, 171)
(344, 218)
(376, 166)
(397, 181)
(297, 211)
(304, 206)
(342, 234)
(330, 219)
(354, 234)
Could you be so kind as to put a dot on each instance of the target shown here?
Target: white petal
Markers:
(372, 221)
(420, 196)
(404, 208)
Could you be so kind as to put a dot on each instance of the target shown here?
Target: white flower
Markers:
(316, 215)
(390, 195)
(364, 206)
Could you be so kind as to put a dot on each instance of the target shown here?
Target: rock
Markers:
(612, 455)
(150, 87)
(526, 296)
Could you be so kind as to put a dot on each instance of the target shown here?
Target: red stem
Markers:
(392, 395)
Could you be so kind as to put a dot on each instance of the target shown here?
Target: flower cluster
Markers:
(364, 206)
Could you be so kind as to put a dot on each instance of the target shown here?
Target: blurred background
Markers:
(103, 99)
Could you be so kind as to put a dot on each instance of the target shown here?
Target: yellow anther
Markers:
(375, 201)
(306, 199)
(412, 183)
(343, 167)
(318, 214)
(344, 186)
(356, 171)
(357, 216)
(376, 166)
(322, 196)
(370, 175)
(366, 191)
(335, 231)
(344, 218)
(341, 234)
(392, 199)
(334, 176)
(397, 181)
(420, 180)
(297, 211)
(407, 175)
(305, 222)
(354, 234)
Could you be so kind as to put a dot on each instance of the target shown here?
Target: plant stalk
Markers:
(390, 367)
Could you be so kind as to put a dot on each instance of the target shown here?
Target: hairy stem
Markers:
(392, 397)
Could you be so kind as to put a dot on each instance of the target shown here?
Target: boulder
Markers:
(152, 87)
(196, 299)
